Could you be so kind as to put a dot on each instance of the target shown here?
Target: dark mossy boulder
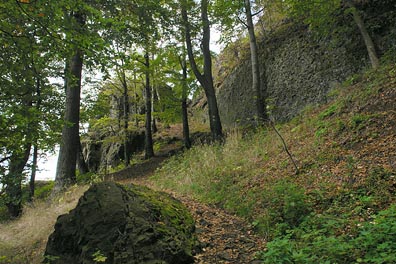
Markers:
(123, 224)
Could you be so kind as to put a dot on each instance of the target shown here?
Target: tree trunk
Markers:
(33, 175)
(366, 36)
(35, 148)
(66, 167)
(136, 99)
(256, 85)
(214, 117)
(149, 151)
(186, 128)
(69, 148)
(154, 97)
(205, 79)
(13, 181)
(126, 118)
(81, 164)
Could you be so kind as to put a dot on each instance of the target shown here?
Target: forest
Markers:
(131, 91)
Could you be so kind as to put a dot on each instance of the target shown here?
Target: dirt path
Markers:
(225, 238)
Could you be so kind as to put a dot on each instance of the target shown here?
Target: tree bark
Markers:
(136, 100)
(35, 148)
(33, 175)
(17, 162)
(126, 117)
(366, 36)
(186, 128)
(149, 151)
(205, 78)
(154, 97)
(81, 164)
(13, 181)
(67, 159)
(256, 80)
(66, 167)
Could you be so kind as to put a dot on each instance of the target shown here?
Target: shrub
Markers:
(43, 191)
(286, 207)
(324, 239)
(88, 178)
(376, 242)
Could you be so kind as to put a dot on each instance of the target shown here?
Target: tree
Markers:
(256, 83)
(178, 74)
(153, 17)
(231, 15)
(205, 78)
(35, 143)
(366, 36)
(186, 128)
(149, 151)
(81, 164)
(28, 115)
(122, 78)
(69, 148)
(86, 42)
(319, 14)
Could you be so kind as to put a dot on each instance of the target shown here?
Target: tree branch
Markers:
(258, 12)
(285, 146)
(243, 22)
(4, 159)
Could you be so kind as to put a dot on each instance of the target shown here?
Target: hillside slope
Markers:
(346, 153)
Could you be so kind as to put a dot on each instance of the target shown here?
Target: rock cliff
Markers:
(299, 68)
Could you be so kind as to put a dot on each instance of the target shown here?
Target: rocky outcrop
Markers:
(300, 67)
(105, 149)
(119, 224)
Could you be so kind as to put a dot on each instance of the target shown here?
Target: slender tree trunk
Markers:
(149, 151)
(205, 79)
(186, 128)
(33, 175)
(120, 112)
(260, 102)
(136, 100)
(13, 181)
(81, 164)
(366, 36)
(35, 148)
(126, 118)
(154, 97)
(66, 167)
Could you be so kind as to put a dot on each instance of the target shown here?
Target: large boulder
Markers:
(123, 224)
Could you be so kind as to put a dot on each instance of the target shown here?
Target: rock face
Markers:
(104, 149)
(117, 224)
(299, 68)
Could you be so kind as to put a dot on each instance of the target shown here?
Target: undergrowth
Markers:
(338, 209)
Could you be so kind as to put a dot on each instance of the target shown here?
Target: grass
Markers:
(24, 240)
